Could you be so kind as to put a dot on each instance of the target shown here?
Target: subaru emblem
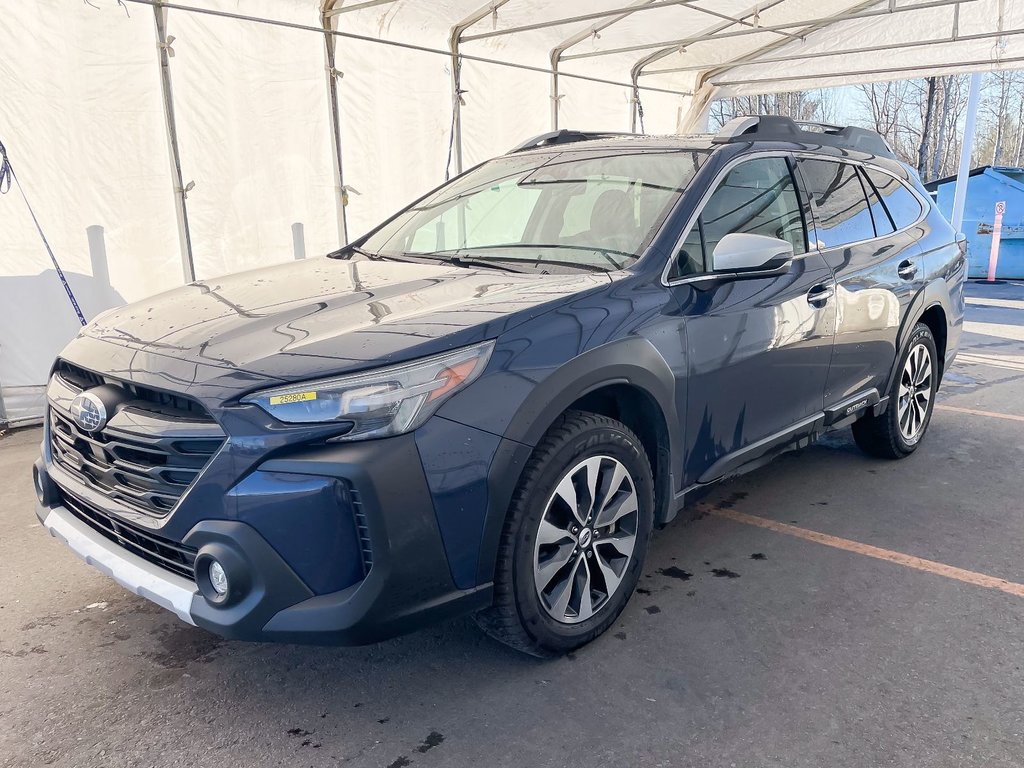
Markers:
(89, 412)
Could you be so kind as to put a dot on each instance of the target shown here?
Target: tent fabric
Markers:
(82, 115)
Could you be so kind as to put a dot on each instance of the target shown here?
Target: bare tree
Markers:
(808, 106)
(945, 85)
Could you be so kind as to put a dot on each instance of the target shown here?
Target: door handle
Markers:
(907, 269)
(820, 294)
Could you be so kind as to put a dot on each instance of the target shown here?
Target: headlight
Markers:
(379, 403)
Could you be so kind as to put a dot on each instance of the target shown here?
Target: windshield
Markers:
(584, 210)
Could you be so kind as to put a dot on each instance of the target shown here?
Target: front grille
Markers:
(149, 453)
(154, 399)
(168, 554)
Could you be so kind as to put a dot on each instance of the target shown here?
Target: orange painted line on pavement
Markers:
(920, 564)
(976, 412)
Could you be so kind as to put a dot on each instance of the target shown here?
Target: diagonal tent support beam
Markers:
(613, 13)
(328, 20)
(754, 59)
(757, 30)
(180, 193)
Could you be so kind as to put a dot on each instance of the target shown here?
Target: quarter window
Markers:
(841, 204)
(756, 197)
(903, 205)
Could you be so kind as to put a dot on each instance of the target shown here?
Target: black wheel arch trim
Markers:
(632, 361)
(935, 293)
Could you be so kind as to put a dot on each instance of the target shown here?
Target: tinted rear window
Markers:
(842, 206)
(902, 204)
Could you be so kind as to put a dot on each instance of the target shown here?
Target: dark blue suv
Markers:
(488, 403)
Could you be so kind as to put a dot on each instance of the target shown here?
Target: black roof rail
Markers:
(564, 136)
(777, 128)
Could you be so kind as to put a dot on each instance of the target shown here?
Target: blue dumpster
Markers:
(987, 186)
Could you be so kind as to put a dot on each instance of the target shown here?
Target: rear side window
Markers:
(902, 204)
(883, 224)
(842, 206)
(756, 197)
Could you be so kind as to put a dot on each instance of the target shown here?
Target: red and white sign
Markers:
(997, 228)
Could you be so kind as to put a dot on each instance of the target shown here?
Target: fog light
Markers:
(218, 579)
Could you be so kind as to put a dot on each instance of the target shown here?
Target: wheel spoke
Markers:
(608, 493)
(623, 542)
(566, 491)
(925, 370)
(549, 533)
(592, 467)
(905, 417)
(547, 570)
(626, 504)
(586, 609)
(561, 602)
(611, 578)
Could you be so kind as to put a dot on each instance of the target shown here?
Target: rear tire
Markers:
(569, 557)
(898, 432)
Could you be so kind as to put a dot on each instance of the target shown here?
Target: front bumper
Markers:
(130, 571)
(408, 585)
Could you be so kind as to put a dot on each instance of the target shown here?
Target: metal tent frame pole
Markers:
(180, 193)
(328, 19)
(607, 19)
(964, 171)
(454, 39)
(638, 69)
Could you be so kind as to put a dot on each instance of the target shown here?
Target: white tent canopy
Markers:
(160, 141)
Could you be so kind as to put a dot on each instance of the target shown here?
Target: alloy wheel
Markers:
(915, 393)
(586, 538)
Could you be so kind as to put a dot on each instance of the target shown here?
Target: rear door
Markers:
(877, 267)
(758, 348)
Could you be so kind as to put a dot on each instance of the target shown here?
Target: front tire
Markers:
(575, 539)
(898, 432)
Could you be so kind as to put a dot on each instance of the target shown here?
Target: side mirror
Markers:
(740, 252)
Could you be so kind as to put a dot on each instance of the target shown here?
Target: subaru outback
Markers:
(487, 404)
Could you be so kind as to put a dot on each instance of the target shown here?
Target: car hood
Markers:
(325, 316)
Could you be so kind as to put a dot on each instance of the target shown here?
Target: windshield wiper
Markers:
(345, 252)
(606, 253)
(481, 261)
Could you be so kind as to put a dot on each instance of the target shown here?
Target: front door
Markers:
(758, 348)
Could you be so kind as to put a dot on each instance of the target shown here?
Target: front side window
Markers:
(595, 209)
(756, 197)
(842, 213)
(902, 204)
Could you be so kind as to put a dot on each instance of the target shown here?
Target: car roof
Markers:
(580, 141)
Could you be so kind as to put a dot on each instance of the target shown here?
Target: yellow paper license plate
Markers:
(295, 397)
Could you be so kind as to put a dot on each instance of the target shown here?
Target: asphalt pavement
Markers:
(827, 610)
